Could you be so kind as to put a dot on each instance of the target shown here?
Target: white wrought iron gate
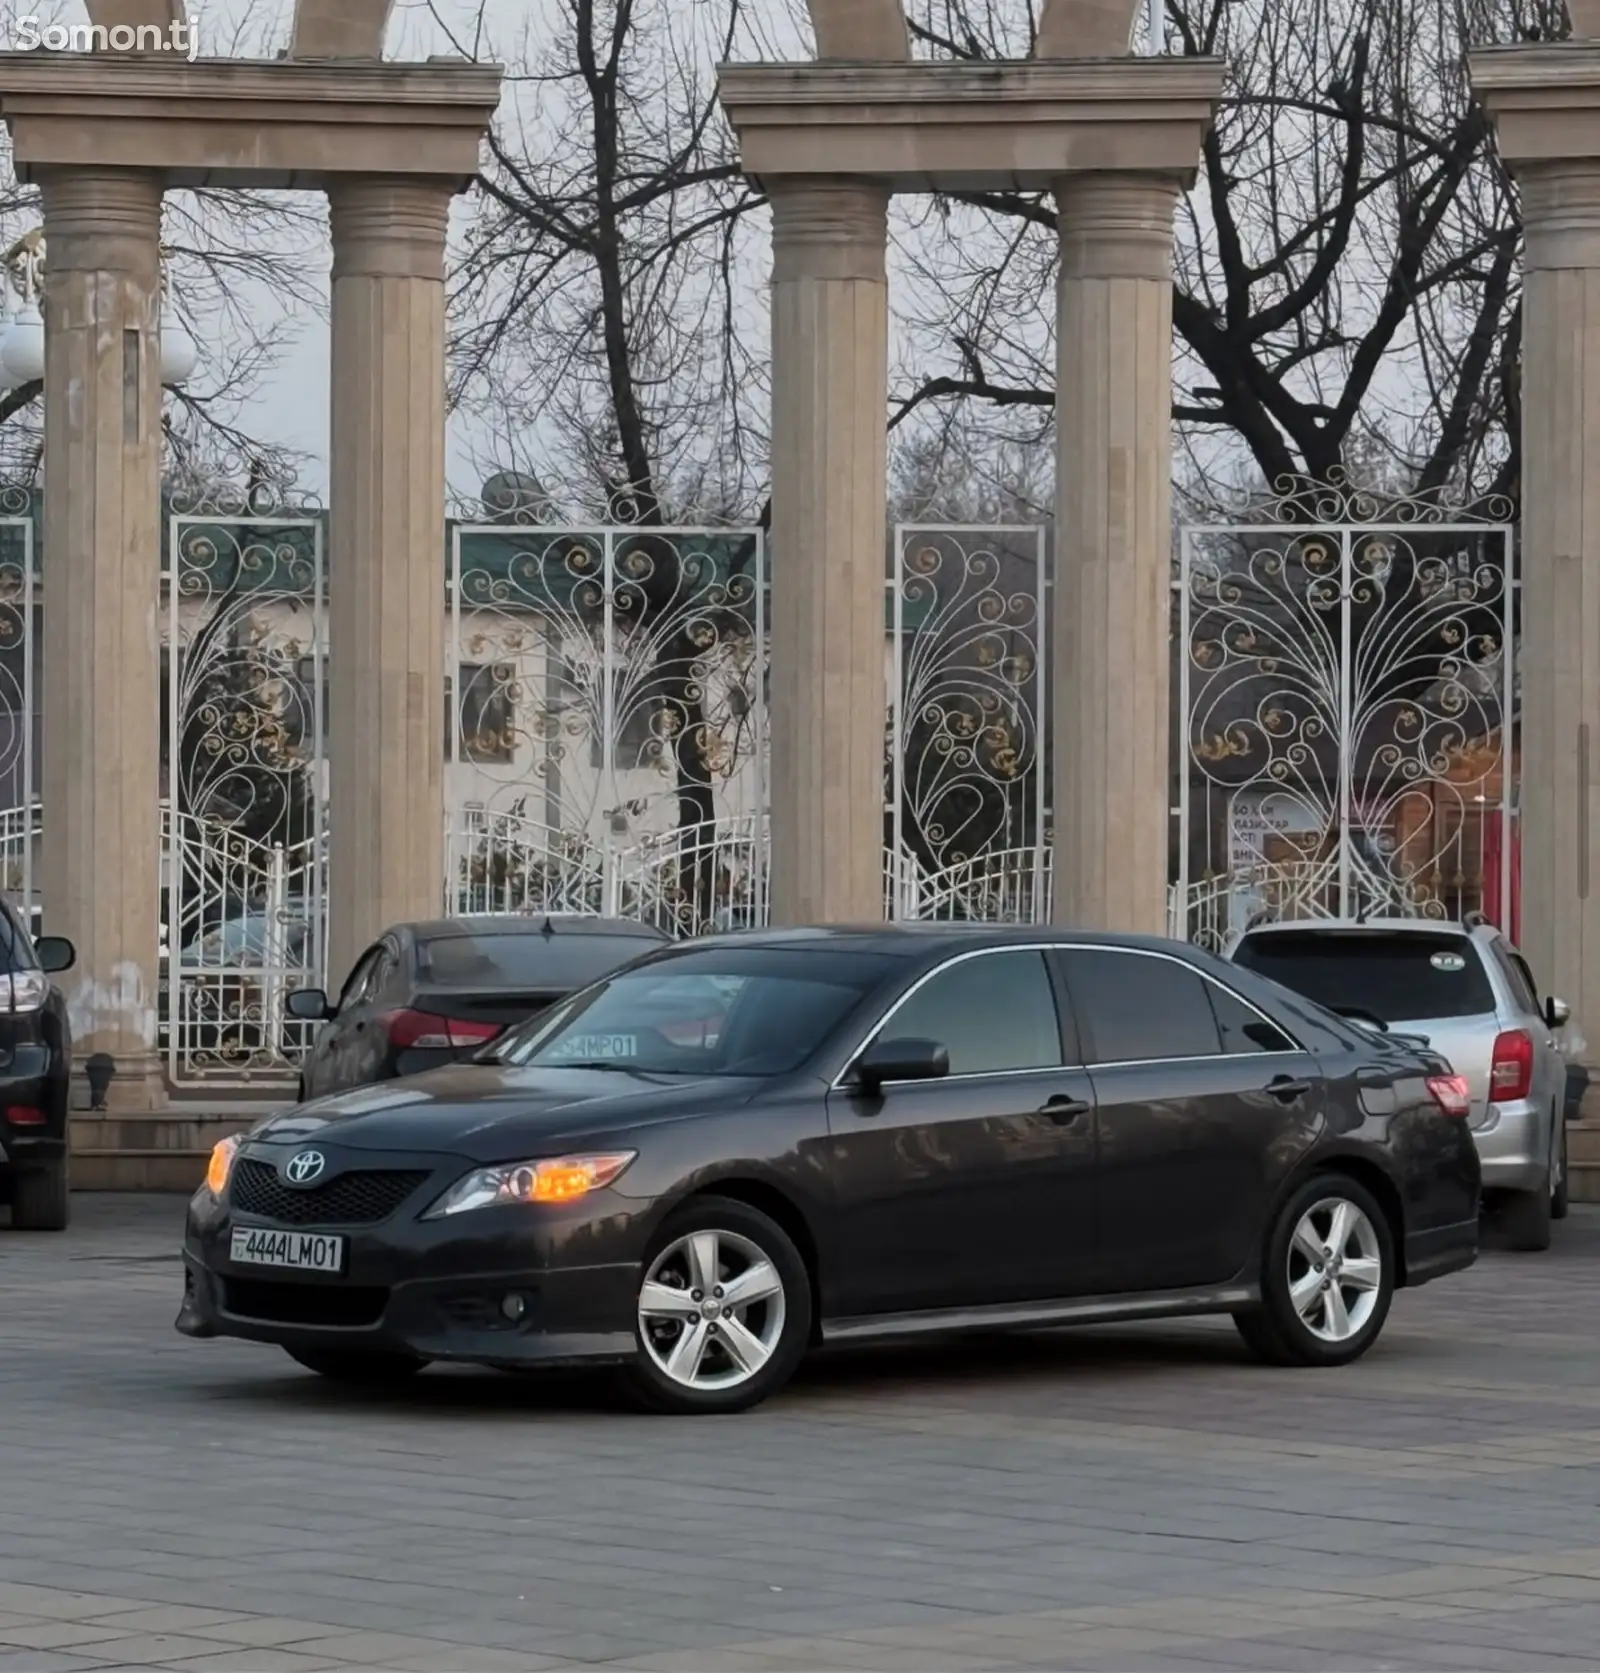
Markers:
(969, 759)
(244, 760)
(1346, 705)
(607, 741)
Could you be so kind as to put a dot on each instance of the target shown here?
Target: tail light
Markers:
(1452, 1094)
(421, 1031)
(25, 1115)
(1511, 1069)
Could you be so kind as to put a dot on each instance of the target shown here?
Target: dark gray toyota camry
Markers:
(737, 1149)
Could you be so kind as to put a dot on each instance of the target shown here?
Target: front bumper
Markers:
(430, 1288)
(1514, 1147)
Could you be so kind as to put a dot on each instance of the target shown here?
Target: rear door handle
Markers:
(1286, 1091)
(1065, 1110)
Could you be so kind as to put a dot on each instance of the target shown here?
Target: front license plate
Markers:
(296, 1251)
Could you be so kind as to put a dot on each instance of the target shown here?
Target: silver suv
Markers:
(1467, 991)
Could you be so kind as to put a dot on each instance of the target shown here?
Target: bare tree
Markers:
(1347, 277)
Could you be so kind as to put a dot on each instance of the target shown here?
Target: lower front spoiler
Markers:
(575, 1316)
(1440, 1251)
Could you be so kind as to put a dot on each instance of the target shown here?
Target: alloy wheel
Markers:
(1335, 1269)
(711, 1310)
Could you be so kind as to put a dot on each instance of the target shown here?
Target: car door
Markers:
(334, 1059)
(979, 1187)
(1196, 1092)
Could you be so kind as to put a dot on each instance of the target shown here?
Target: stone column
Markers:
(386, 561)
(101, 567)
(1560, 656)
(830, 371)
(1109, 651)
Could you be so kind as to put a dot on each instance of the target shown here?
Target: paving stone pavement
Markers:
(1141, 1498)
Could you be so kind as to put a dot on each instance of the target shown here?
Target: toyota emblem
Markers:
(305, 1167)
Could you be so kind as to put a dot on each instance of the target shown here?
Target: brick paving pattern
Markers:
(1140, 1499)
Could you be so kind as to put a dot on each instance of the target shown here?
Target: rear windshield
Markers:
(553, 964)
(1396, 978)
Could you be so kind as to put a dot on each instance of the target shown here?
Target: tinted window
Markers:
(1407, 977)
(16, 946)
(1134, 1008)
(1514, 971)
(760, 1011)
(991, 1013)
(555, 963)
(1244, 1030)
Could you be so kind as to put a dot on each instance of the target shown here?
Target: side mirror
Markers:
(308, 1004)
(887, 1061)
(1557, 1012)
(55, 953)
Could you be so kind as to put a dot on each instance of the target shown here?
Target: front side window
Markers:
(1135, 1008)
(993, 1013)
(762, 1011)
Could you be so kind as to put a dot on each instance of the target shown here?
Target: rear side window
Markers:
(1137, 1009)
(1511, 968)
(1407, 977)
(556, 963)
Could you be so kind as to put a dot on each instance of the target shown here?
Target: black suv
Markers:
(35, 1062)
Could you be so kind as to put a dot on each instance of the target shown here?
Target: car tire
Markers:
(40, 1201)
(1560, 1198)
(717, 1241)
(358, 1368)
(1525, 1219)
(1304, 1318)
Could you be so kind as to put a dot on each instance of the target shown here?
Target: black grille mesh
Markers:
(321, 1304)
(352, 1199)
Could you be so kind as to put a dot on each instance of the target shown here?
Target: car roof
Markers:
(519, 923)
(925, 939)
(1357, 926)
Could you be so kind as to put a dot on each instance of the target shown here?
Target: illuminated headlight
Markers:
(221, 1166)
(555, 1180)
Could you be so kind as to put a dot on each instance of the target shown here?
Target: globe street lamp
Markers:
(22, 345)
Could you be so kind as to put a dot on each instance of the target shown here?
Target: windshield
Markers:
(554, 963)
(1406, 977)
(757, 1011)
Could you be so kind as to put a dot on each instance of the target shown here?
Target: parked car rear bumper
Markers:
(26, 1083)
(1514, 1147)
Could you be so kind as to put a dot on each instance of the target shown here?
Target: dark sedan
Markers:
(867, 1133)
(35, 1063)
(426, 995)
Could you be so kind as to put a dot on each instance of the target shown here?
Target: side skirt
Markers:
(1038, 1315)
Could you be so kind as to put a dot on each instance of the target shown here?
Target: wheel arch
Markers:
(1377, 1179)
(779, 1205)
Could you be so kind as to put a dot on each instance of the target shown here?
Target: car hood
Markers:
(490, 1112)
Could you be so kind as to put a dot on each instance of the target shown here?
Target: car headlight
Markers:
(221, 1166)
(557, 1179)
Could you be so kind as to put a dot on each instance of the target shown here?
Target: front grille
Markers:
(349, 1305)
(353, 1199)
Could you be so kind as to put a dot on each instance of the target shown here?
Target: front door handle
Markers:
(1287, 1091)
(1065, 1110)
